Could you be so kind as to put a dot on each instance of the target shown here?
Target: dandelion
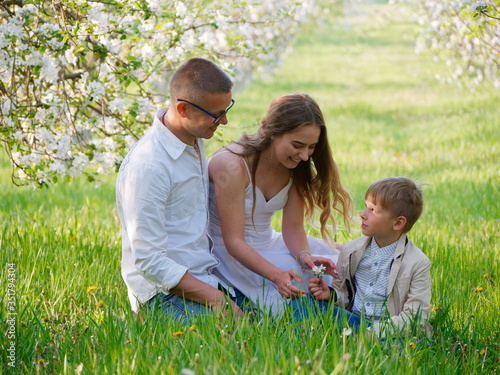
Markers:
(90, 289)
(435, 308)
(192, 328)
(412, 345)
(486, 275)
(178, 333)
(482, 352)
(100, 304)
(346, 332)
(479, 289)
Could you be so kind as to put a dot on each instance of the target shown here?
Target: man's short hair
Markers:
(196, 78)
(400, 196)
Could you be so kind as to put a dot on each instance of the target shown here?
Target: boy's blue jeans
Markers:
(307, 307)
(182, 310)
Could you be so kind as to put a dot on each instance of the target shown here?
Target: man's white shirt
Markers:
(162, 201)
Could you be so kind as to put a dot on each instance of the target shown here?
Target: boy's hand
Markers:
(319, 289)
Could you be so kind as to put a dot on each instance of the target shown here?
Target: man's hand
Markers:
(226, 307)
(193, 289)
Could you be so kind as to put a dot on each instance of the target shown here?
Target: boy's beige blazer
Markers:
(409, 289)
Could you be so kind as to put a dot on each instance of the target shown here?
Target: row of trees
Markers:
(79, 80)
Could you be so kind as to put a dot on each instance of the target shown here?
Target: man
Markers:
(162, 198)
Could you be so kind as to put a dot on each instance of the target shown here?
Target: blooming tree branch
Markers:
(469, 44)
(480, 7)
(80, 80)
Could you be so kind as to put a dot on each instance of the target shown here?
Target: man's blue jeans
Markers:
(306, 308)
(182, 310)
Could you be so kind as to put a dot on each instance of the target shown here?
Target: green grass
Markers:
(386, 116)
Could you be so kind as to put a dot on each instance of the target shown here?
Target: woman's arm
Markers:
(230, 179)
(294, 234)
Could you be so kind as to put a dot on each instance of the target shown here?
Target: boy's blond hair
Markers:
(400, 196)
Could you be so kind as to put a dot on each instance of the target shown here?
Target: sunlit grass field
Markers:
(386, 116)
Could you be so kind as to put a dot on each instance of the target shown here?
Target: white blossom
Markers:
(3, 41)
(318, 270)
(117, 105)
(63, 146)
(6, 106)
(8, 122)
(97, 90)
(180, 9)
(44, 136)
(80, 162)
(58, 166)
(110, 125)
(35, 157)
(155, 6)
(147, 51)
(41, 176)
(478, 5)
(22, 175)
(49, 69)
(70, 56)
(125, 60)
(144, 106)
(19, 135)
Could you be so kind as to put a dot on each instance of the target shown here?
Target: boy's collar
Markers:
(400, 248)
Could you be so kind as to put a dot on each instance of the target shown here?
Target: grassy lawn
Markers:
(387, 116)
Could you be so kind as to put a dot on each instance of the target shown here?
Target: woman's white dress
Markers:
(269, 243)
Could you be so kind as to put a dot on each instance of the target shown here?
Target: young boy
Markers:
(383, 274)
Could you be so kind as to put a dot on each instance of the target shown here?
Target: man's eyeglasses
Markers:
(216, 118)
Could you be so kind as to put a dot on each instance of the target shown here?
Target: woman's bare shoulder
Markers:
(225, 163)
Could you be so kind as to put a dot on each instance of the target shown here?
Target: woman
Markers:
(286, 165)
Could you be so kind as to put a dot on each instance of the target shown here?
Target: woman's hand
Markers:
(283, 281)
(319, 289)
(309, 262)
(328, 263)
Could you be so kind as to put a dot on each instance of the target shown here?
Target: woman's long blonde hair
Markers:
(317, 179)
